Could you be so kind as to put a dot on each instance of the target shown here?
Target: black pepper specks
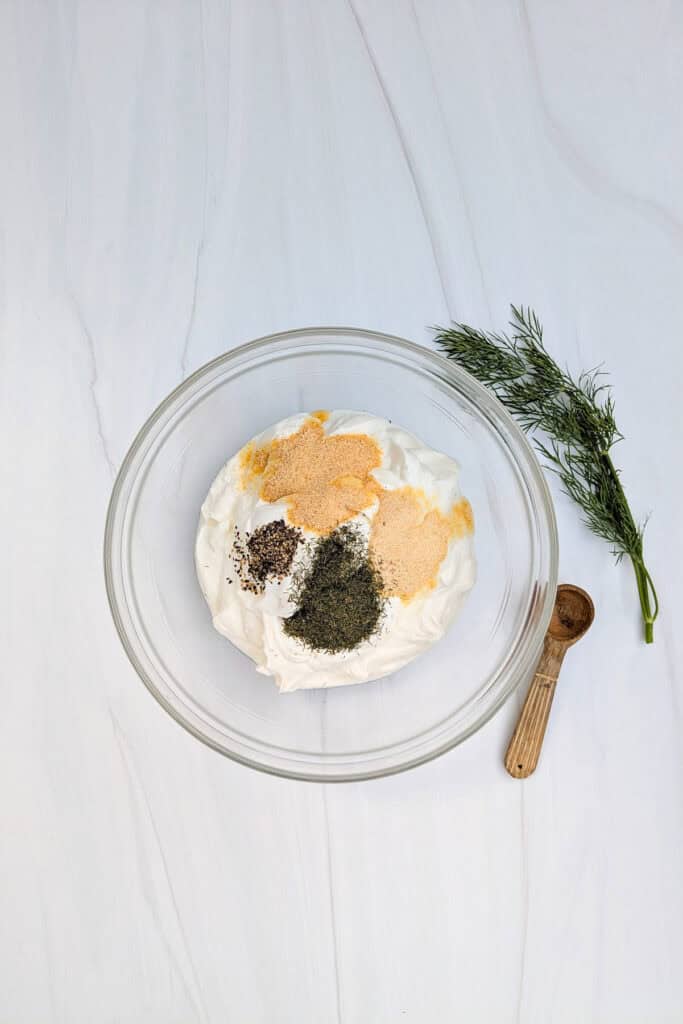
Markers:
(265, 555)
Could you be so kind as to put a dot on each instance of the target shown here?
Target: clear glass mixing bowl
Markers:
(353, 732)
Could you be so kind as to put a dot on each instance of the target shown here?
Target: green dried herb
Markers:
(578, 418)
(339, 595)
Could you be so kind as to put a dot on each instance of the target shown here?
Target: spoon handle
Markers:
(524, 749)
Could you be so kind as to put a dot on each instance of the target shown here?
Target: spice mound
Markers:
(333, 548)
(339, 596)
(265, 555)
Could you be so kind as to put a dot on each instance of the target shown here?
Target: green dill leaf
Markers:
(576, 416)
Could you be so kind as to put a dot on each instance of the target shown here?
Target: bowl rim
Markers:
(481, 396)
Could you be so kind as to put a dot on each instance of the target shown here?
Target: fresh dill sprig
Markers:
(577, 417)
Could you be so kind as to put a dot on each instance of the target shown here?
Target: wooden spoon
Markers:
(572, 616)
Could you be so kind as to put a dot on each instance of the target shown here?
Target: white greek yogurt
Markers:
(253, 621)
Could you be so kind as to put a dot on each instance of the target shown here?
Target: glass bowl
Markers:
(352, 732)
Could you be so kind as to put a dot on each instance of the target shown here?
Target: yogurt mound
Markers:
(315, 472)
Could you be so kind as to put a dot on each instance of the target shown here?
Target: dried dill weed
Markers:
(265, 555)
(338, 595)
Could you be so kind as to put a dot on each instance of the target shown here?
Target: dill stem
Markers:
(643, 578)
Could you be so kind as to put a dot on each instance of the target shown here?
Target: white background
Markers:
(180, 176)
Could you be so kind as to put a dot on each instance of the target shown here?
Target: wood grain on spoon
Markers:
(572, 616)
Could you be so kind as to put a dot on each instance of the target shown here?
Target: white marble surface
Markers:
(180, 176)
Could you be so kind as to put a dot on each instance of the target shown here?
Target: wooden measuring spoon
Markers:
(572, 616)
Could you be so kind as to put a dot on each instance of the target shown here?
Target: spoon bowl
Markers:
(573, 614)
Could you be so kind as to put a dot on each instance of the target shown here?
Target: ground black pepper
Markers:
(339, 595)
(265, 555)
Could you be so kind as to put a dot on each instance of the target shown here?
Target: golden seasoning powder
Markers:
(461, 519)
(324, 480)
(252, 462)
(246, 460)
(409, 540)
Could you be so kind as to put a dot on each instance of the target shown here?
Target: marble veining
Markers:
(180, 178)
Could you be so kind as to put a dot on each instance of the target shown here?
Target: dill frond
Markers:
(577, 418)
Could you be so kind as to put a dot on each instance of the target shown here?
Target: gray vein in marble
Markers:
(200, 245)
(193, 309)
(454, 161)
(412, 170)
(139, 795)
(78, 311)
(591, 177)
(93, 379)
(599, 957)
(525, 901)
(328, 846)
(48, 950)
